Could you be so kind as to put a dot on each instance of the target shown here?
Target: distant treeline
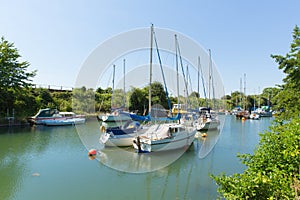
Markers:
(25, 102)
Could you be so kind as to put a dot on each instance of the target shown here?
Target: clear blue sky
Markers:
(57, 36)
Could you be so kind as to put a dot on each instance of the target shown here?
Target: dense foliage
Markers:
(15, 80)
(288, 97)
(273, 170)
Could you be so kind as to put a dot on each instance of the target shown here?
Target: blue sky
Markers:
(57, 36)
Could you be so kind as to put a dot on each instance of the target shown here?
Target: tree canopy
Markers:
(14, 81)
(273, 170)
(13, 72)
(288, 98)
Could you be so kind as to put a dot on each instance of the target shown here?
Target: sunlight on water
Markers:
(52, 163)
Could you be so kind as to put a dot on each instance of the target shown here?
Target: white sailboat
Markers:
(207, 120)
(164, 136)
(116, 115)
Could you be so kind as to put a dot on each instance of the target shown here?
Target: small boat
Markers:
(164, 137)
(52, 117)
(206, 120)
(121, 136)
(254, 115)
(115, 116)
(243, 114)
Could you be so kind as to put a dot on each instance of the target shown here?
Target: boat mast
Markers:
(124, 100)
(198, 76)
(177, 71)
(203, 84)
(150, 79)
(113, 87)
(245, 97)
(209, 74)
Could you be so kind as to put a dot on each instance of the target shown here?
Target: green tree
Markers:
(288, 97)
(13, 72)
(83, 100)
(138, 100)
(15, 78)
(273, 170)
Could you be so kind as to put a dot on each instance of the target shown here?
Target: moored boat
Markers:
(207, 120)
(254, 115)
(52, 117)
(121, 135)
(164, 137)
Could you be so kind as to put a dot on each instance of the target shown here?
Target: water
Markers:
(52, 163)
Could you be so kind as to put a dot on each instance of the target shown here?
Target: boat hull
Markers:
(63, 122)
(117, 140)
(115, 118)
(180, 140)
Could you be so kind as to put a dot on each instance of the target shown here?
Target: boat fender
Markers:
(102, 129)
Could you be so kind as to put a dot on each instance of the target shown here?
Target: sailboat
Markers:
(207, 120)
(164, 136)
(119, 135)
(116, 115)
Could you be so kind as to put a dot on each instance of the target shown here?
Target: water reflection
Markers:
(204, 145)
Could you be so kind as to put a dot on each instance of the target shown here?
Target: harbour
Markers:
(43, 162)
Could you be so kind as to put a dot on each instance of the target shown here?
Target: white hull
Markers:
(61, 122)
(177, 140)
(119, 140)
(207, 125)
(254, 116)
(115, 118)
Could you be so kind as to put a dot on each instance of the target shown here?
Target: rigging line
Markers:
(189, 77)
(185, 83)
(203, 84)
(162, 71)
(212, 80)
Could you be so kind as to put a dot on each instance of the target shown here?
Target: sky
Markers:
(57, 36)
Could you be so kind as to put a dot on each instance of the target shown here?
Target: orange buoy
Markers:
(243, 118)
(204, 134)
(92, 152)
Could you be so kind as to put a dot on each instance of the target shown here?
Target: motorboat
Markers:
(115, 116)
(52, 117)
(207, 120)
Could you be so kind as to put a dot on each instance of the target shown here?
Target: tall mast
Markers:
(177, 71)
(150, 79)
(113, 87)
(245, 98)
(198, 76)
(241, 86)
(209, 74)
(124, 83)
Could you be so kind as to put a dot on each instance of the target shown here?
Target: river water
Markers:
(52, 163)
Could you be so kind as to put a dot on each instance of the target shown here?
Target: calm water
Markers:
(52, 163)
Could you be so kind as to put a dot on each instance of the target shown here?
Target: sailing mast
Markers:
(209, 74)
(113, 87)
(150, 79)
(202, 78)
(177, 71)
(124, 97)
